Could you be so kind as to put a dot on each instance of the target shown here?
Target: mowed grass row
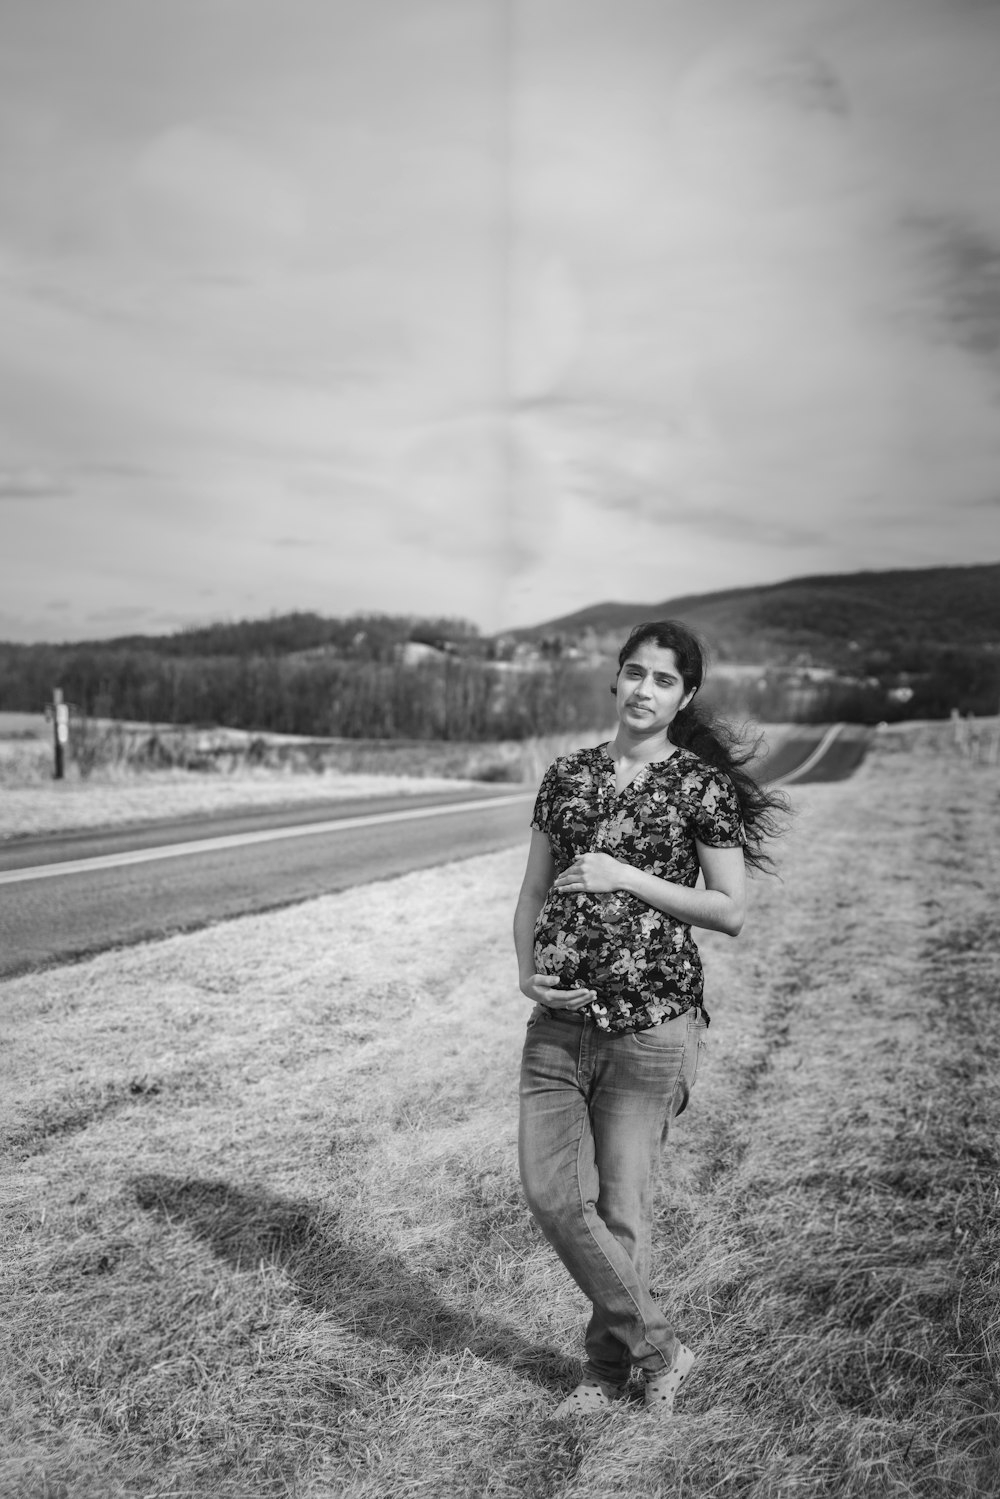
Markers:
(264, 1236)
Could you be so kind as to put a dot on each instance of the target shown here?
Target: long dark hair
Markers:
(711, 739)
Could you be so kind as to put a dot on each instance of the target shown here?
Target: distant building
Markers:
(415, 652)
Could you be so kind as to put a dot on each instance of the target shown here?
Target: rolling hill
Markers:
(828, 618)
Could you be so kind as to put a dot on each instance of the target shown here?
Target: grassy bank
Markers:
(111, 753)
(224, 770)
(264, 1234)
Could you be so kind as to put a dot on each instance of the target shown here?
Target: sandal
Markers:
(660, 1390)
(588, 1398)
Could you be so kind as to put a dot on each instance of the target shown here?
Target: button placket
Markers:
(612, 911)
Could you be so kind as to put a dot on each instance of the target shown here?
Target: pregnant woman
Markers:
(620, 835)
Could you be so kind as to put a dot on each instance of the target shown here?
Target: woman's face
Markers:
(650, 690)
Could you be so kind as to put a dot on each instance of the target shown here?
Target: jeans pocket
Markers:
(659, 1037)
(675, 1047)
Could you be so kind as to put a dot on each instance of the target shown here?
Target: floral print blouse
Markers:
(643, 964)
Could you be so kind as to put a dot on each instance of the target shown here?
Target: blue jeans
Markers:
(595, 1111)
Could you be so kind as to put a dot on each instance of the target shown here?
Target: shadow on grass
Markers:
(368, 1289)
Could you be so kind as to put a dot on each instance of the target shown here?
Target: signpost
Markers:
(58, 713)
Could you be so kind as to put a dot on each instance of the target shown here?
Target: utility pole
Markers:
(58, 712)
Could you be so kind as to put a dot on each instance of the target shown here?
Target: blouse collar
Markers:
(603, 752)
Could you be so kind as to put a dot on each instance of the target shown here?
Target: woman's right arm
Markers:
(538, 875)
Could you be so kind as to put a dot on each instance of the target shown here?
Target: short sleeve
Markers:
(715, 813)
(541, 818)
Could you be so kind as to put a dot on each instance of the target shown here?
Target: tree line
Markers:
(321, 697)
(362, 689)
(358, 637)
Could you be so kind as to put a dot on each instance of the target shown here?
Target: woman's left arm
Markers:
(719, 907)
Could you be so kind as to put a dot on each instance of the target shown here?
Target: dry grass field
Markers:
(263, 1233)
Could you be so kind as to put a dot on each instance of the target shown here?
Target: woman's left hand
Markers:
(590, 874)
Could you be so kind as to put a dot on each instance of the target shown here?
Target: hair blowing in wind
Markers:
(713, 739)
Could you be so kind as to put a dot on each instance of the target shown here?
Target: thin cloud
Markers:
(32, 484)
(966, 262)
(120, 614)
(121, 469)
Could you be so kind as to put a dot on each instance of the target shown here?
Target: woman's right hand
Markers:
(543, 989)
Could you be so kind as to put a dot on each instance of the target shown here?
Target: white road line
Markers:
(810, 760)
(243, 840)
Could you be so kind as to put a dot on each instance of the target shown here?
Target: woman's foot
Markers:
(660, 1390)
(588, 1398)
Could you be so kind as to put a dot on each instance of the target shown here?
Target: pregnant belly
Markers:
(577, 939)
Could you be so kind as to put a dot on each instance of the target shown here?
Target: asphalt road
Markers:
(820, 752)
(63, 897)
(47, 919)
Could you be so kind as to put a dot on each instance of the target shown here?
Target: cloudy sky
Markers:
(491, 308)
